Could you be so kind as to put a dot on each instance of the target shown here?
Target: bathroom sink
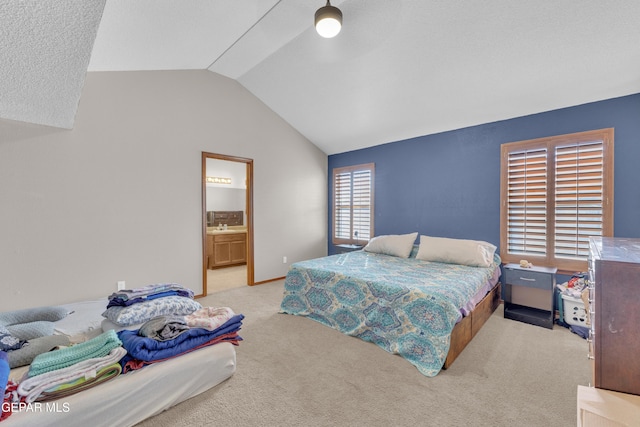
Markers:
(228, 231)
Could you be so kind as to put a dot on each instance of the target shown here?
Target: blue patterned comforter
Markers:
(406, 306)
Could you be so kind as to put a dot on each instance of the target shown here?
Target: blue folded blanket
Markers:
(148, 349)
(4, 373)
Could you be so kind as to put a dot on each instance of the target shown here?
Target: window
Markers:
(556, 192)
(353, 204)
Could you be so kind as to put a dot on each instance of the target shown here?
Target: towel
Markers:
(7, 400)
(99, 346)
(164, 328)
(30, 388)
(209, 318)
(84, 383)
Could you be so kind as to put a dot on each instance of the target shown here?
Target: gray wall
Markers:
(119, 196)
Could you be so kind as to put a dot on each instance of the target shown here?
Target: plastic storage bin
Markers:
(573, 309)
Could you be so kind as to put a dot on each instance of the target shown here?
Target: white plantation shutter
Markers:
(362, 204)
(578, 198)
(556, 192)
(527, 202)
(353, 204)
(342, 206)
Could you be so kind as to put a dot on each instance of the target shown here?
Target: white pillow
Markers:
(83, 322)
(399, 245)
(474, 253)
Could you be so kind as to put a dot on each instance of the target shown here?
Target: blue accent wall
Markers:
(448, 184)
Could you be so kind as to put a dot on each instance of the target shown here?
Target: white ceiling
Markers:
(45, 48)
(398, 69)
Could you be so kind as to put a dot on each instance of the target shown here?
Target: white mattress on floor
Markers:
(130, 398)
(133, 397)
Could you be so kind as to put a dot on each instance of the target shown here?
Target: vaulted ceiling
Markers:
(398, 69)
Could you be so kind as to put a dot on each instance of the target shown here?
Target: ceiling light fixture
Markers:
(328, 21)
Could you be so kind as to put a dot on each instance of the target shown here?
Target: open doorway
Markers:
(227, 222)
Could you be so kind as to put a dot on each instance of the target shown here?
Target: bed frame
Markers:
(468, 327)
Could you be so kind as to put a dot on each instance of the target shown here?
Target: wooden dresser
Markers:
(614, 337)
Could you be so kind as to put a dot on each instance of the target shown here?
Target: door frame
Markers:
(249, 212)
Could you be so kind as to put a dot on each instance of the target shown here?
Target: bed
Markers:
(422, 310)
(129, 398)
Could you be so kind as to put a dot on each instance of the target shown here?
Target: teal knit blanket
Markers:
(99, 346)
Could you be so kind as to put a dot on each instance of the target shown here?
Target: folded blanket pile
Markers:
(32, 387)
(66, 371)
(184, 327)
(163, 328)
(130, 364)
(129, 307)
(142, 351)
(99, 346)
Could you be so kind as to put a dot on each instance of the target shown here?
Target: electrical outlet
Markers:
(121, 285)
(284, 259)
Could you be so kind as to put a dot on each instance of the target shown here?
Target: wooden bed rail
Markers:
(468, 327)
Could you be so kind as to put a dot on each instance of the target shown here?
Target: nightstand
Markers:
(528, 294)
(344, 248)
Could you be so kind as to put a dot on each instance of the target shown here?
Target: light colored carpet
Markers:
(292, 371)
(221, 279)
